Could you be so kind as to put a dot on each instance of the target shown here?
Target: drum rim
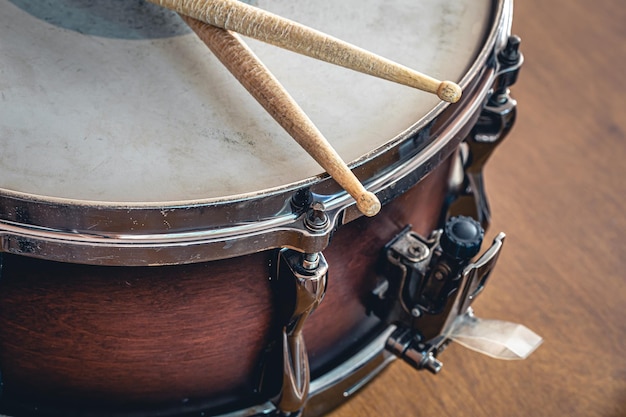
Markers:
(217, 228)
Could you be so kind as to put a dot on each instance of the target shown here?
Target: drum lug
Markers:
(428, 284)
(468, 193)
(510, 60)
(301, 279)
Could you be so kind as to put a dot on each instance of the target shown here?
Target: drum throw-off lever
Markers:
(428, 288)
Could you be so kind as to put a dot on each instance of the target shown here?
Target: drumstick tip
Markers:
(449, 91)
(368, 204)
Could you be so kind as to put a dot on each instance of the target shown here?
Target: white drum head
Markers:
(139, 111)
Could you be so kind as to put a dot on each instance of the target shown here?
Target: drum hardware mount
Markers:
(428, 284)
(316, 218)
(300, 277)
(48, 237)
(493, 126)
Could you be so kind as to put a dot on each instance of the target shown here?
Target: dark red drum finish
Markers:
(117, 335)
(353, 254)
(146, 338)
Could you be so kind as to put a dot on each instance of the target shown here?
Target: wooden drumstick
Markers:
(267, 90)
(259, 24)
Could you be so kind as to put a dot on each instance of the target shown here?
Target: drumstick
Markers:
(259, 24)
(267, 90)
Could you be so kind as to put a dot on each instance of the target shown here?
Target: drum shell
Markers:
(171, 339)
(185, 336)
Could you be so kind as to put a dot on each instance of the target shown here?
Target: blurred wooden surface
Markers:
(557, 188)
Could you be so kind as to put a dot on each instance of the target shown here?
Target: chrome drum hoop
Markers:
(197, 231)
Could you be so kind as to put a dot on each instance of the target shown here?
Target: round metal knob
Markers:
(462, 237)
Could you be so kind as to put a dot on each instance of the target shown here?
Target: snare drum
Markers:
(145, 201)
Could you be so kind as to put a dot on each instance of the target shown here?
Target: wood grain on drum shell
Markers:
(132, 334)
(147, 335)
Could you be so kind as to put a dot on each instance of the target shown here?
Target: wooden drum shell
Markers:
(146, 338)
(94, 340)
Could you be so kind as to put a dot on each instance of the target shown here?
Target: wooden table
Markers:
(558, 189)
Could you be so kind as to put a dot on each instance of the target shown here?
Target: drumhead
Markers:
(124, 105)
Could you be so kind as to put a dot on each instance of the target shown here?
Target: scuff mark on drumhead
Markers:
(110, 19)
